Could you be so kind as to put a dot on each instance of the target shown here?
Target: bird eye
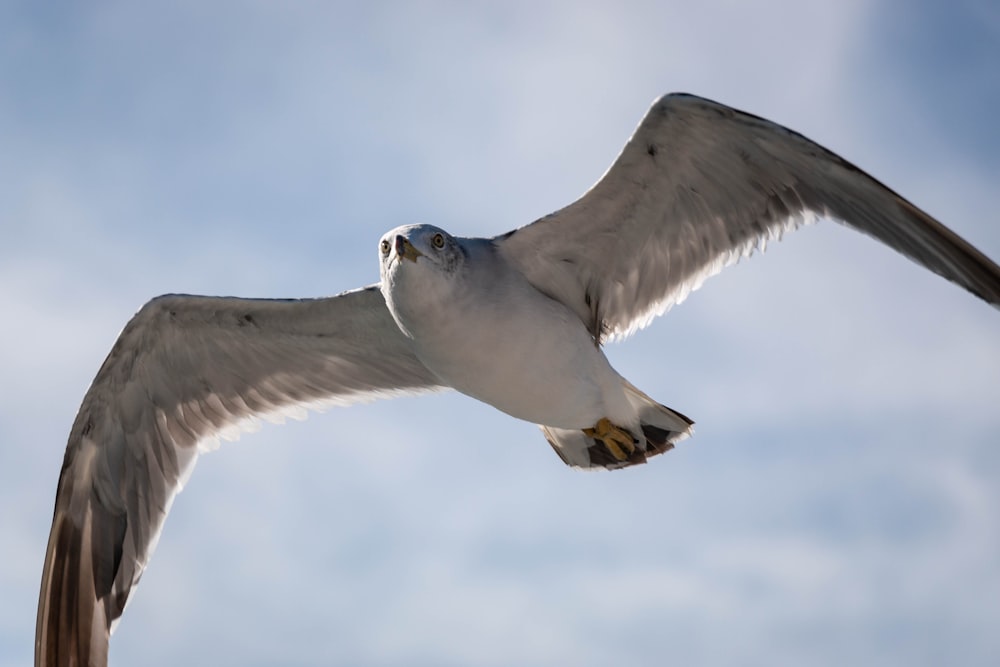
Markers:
(438, 241)
(384, 247)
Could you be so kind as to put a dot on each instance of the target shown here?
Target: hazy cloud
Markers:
(838, 502)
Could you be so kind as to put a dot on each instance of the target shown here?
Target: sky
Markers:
(839, 502)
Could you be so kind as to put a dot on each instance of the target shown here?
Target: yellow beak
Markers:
(406, 250)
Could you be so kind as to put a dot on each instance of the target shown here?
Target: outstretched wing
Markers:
(698, 186)
(185, 370)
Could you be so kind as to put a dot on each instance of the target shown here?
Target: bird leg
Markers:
(619, 442)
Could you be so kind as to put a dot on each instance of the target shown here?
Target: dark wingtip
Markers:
(71, 628)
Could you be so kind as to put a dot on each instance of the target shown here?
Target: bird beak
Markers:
(405, 249)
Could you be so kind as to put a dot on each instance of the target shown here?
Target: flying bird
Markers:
(517, 321)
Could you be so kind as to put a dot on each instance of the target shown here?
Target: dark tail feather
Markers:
(662, 428)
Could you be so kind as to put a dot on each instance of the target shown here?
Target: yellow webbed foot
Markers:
(619, 442)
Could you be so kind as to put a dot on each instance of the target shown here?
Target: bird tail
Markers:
(661, 428)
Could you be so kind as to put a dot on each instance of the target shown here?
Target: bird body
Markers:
(481, 328)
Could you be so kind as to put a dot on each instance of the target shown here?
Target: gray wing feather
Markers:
(183, 371)
(698, 186)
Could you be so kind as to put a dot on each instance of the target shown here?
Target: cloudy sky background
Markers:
(840, 502)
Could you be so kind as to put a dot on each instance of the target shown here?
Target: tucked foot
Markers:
(616, 440)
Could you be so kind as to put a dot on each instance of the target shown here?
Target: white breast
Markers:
(489, 334)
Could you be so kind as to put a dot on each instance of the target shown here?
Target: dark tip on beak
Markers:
(405, 249)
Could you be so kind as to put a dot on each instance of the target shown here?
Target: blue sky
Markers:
(839, 501)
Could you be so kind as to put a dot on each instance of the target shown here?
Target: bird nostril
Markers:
(398, 244)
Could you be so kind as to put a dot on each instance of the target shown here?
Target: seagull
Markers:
(517, 321)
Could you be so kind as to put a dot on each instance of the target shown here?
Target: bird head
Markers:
(417, 248)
